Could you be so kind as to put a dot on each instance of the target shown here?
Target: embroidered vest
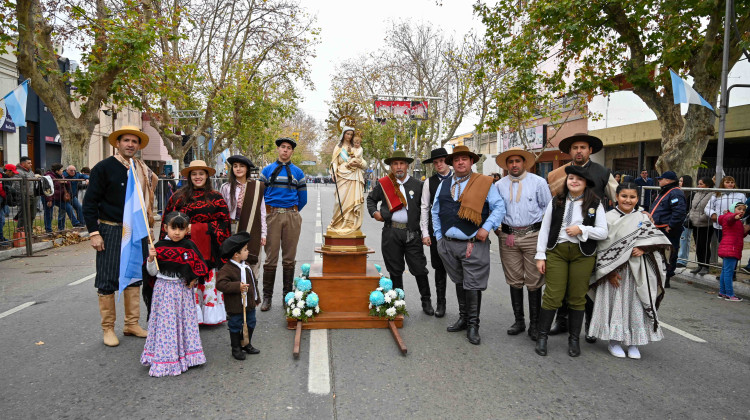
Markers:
(588, 248)
(449, 212)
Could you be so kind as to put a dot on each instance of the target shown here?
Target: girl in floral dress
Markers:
(209, 227)
(174, 343)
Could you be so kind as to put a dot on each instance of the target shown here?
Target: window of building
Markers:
(543, 168)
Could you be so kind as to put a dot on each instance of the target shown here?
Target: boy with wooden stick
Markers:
(240, 287)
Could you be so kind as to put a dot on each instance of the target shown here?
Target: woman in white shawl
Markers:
(627, 283)
(347, 168)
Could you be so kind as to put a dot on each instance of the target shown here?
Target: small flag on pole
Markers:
(395, 143)
(133, 230)
(15, 103)
(684, 93)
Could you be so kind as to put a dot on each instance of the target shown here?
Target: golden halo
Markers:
(348, 120)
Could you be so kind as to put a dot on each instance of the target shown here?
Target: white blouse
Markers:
(597, 232)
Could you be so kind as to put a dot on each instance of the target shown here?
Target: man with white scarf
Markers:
(526, 197)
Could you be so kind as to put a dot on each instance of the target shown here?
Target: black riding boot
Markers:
(473, 307)
(269, 277)
(535, 302)
(561, 320)
(423, 284)
(287, 282)
(440, 281)
(460, 325)
(516, 301)
(545, 321)
(574, 332)
(589, 314)
(236, 340)
(249, 347)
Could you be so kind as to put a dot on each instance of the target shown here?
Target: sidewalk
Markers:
(39, 246)
(709, 282)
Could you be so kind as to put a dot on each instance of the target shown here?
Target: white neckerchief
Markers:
(403, 190)
(243, 276)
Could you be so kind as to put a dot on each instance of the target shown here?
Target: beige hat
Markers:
(198, 164)
(528, 157)
(129, 129)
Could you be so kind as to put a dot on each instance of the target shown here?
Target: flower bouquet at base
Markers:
(387, 302)
(302, 304)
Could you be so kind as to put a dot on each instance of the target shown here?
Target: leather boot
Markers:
(108, 313)
(287, 282)
(589, 313)
(545, 321)
(516, 301)
(440, 281)
(423, 284)
(236, 340)
(574, 332)
(473, 305)
(460, 325)
(535, 303)
(561, 320)
(132, 303)
(249, 347)
(269, 277)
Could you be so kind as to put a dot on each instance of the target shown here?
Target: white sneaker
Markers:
(615, 349)
(633, 352)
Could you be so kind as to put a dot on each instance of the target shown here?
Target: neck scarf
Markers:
(276, 172)
(514, 180)
(244, 268)
(569, 213)
(181, 259)
(446, 176)
(457, 186)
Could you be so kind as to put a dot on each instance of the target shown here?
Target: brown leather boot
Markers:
(108, 313)
(132, 300)
(269, 277)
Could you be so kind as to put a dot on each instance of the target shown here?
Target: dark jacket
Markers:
(672, 208)
(228, 281)
(414, 202)
(57, 196)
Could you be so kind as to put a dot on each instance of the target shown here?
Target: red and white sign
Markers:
(416, 110)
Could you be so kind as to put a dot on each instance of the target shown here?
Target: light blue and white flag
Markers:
(15, 103)
(684, 93)
(395, 143)
(134, 229)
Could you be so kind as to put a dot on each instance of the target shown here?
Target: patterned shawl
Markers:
(209, 219)
(628, 231)
(180, 259)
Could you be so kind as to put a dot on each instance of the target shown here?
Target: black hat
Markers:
(671, 175)
(436, 153)
(595, 143)
(241, 159)
(582, 172)
(234, 244)
(286, 140)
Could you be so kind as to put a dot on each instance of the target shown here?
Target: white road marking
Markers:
(89, 277)
(317, 223)
(16, 309)
(318, 238)
(682, 333)
(318, 374)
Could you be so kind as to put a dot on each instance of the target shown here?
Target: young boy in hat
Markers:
(235, 279)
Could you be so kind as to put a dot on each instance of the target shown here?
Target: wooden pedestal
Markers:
(343, 281)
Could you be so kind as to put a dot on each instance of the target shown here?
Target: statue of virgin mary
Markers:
(347, 169)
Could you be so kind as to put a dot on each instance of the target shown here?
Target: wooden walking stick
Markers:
(245, 335)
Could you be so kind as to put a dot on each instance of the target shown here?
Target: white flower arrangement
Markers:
(296, 312)
(391, 312)
(302, 304)
(386, 302)
(309, 313)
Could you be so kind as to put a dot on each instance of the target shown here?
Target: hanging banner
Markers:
(6, 123)
(534, 136)
(415, 110)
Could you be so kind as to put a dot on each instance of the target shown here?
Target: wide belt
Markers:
(472, 239)
(107, 222)
(521, 230)
(397, 225)
(270, 209)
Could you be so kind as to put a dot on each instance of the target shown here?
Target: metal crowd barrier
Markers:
(688, 246)
(28, 215)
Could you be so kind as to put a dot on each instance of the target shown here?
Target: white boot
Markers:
(615, 349)
(633, 352)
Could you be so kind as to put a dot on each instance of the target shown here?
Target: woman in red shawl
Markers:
(209, 227)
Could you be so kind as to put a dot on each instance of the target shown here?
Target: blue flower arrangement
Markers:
(296, 279)
(377, 298)
(399, 292)
(304, 285)
(386, 284)
(312, 300)
(305, 268)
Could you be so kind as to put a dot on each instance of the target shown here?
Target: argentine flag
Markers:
(15, 103)
(684, 93)
(133, 230)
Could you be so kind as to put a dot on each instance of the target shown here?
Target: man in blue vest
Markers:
(465, 210)
(442, 172)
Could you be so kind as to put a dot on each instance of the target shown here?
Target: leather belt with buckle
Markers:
(107, 222)
(472, 239)
(522, 230)
(397, 225)
(270, 209)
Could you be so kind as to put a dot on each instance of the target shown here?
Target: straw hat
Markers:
(528, 157)
(198, 164)
(129, 129)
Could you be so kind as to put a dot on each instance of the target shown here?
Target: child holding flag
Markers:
(174, 343)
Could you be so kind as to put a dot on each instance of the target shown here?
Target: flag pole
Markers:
(143, 209)
(724, 104)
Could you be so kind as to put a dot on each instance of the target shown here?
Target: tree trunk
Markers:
(75, 140)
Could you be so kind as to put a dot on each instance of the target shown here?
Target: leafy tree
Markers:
(578, 49)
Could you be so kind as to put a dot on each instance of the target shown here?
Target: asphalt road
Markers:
(55, 365)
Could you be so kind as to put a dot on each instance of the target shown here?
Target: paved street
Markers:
(55, 365)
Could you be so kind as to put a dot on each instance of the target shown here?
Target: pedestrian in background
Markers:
(703, 229)
(730, 248)
(668, 213)
(29, 198)
(720, 202)
(60, 198)
(686, 181)
(646, 195)
(74, 204)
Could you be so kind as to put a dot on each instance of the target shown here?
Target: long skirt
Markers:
(619, 314)
(209, 302)
(173, 343)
